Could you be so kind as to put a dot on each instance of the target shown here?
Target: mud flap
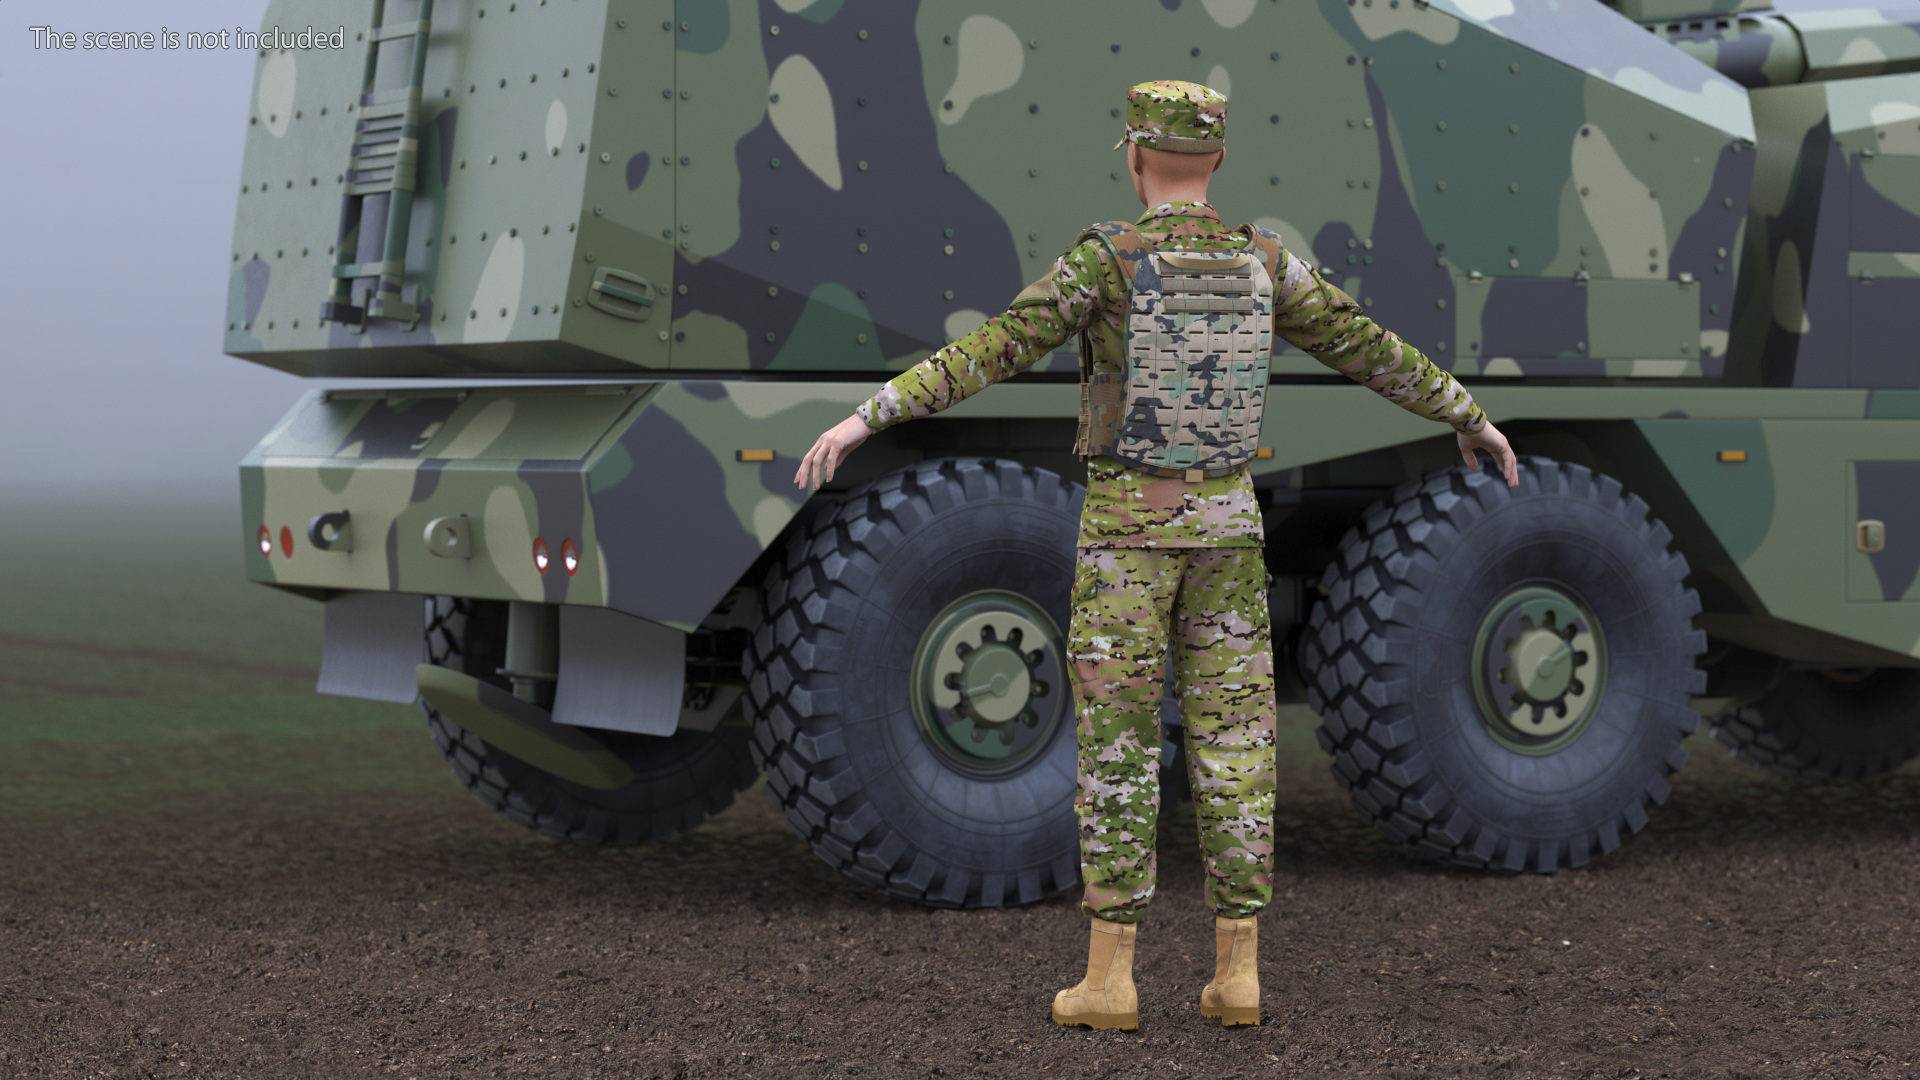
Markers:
(374, 641)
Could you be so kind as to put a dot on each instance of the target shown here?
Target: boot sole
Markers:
(1100, 1021)
(1230, 1017)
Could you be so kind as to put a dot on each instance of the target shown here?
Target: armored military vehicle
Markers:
(1672, 246)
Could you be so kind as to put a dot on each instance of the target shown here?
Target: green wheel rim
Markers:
(1539, 668)
(988, 682)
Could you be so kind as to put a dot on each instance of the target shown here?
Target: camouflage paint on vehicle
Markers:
(794, 204)
(1672, 240)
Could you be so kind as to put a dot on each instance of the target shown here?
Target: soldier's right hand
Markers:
(829, 450)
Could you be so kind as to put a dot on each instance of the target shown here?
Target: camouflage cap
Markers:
(1171, 115)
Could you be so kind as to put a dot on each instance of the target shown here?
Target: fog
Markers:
(121, 173)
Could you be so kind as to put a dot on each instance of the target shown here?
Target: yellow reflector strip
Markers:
(1733, 455)
(754, 455)
(1264, 452)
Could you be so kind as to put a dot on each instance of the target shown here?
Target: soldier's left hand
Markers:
(1489, 439)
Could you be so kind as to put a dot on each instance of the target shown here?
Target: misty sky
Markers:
(121, 173)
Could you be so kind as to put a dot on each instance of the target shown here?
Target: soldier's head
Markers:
(1176, 136)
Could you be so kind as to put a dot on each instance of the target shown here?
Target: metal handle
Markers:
(331, 531)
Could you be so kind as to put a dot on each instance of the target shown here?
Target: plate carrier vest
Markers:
(1193, 387)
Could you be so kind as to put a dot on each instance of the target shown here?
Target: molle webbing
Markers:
(1195, 361)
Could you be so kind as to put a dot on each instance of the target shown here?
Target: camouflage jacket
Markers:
(1085, 292)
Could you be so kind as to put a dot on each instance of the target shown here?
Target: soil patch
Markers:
(1757, 929)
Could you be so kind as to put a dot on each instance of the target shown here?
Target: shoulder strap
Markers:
(1123, 242)
(1266, 244)
(1127, 247)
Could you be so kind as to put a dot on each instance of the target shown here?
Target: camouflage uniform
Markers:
(1165, 557)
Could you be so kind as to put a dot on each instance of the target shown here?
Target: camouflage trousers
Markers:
(1211, 604)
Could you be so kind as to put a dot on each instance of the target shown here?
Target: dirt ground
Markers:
(1756, 929)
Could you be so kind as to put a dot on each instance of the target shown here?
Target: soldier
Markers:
(1170, 535)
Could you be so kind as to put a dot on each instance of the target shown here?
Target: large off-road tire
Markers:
(1829, 725)
(1453, 587)
(929, 607)
(679, 780)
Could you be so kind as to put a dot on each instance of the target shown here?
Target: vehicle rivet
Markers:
(773, 290)
(605, 157)
(663, 333)
(949, 294)
(682, 290)
(863, 35)
(1440, 185)
(774, 30)
(863, 166)
(770, 335)
(613, 91)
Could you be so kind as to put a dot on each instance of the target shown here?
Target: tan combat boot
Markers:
(1233, 997)
(1105, 998)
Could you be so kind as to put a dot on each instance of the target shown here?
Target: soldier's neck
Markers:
(1153, 192)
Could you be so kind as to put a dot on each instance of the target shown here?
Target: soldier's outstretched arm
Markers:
(1318, 318)
(1040, 320)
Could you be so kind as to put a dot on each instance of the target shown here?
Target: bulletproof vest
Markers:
(1193, 384)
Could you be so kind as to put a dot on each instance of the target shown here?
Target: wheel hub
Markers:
(987, 680)
(1539, 664)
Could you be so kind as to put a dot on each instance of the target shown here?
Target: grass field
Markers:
(136, 660)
